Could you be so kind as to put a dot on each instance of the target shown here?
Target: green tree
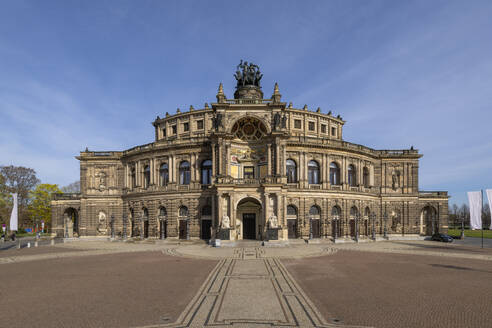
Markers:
(5, 202)
(39, 207)
(20, 180)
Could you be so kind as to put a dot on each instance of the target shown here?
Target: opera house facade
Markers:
(250, 168)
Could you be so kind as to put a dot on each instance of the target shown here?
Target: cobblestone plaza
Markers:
(189, 284)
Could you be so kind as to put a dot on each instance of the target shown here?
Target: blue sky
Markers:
(76, 74)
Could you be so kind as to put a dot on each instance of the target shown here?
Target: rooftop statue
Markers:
(247, 74)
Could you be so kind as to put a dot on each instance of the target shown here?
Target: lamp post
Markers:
(373, 217)
(385, 231)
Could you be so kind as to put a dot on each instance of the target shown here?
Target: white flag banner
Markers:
(14, 215)
(475, 200)
(489, 196)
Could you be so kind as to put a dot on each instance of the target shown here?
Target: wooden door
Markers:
(163, 229)
(146, 229)
(292, 228)
(182, 229)
(206, 226)
(249, 226)
(315, 228)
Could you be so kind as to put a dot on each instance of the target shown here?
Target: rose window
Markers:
(249, 129)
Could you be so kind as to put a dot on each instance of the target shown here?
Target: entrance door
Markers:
(206, 225)
(146, 229)
(292, 228)
(352, 228)
(182, 229)
(249, 226)
(315, 228)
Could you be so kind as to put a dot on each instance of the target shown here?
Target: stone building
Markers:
(249, 168)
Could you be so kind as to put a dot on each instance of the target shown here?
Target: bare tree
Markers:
(74, 187)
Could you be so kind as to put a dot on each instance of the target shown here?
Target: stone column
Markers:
(277, 157)
(228, 157)
(220, 210)
(193, 168)
(214, 164)
(171, 169)
(269, 159)
(266, 211)
(127, 172)
(284, 159)
(219, 159)
(152, 171)
(214, 211)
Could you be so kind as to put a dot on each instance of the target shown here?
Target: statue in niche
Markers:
(284, 121)
(101, 223)
(217, 121)
(273, 222)
(276, 121)
(102, 180)
(226, 223)
(395, 180)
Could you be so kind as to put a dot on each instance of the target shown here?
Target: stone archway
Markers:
(248, 219)
(70, 223)
(429, 222)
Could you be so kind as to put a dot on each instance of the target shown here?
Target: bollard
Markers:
(29, 245)
(36, 243)
(52, 242)
(18, 245)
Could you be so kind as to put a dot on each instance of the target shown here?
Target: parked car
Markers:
(442, 237)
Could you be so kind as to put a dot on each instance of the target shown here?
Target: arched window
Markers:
(351, 176)
(291, 169)
(207, 172)
(335, 212)
(145, 213)
(334, 174)
(367, 212)
(164, 174)
(183, 211)
(313, 172)
(134, 178)
(206, 210)
(184, 173)
(314, 211)
(163, 211)
(353, 212)
(146, 176)
(365, 177)
(291, 210)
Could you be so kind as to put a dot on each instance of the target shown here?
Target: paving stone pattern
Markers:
(250, 291)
